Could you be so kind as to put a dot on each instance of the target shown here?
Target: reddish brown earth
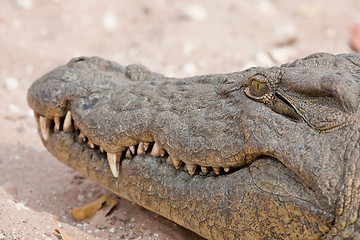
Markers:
(171, 37)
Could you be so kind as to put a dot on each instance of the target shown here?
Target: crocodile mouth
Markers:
(66, 124)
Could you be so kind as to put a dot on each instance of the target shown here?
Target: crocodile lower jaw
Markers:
(66, 124)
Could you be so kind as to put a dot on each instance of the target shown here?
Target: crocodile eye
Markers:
(257, 88)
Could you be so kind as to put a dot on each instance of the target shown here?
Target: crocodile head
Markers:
(262, 153)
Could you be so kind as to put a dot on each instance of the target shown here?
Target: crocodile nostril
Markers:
(79, 59)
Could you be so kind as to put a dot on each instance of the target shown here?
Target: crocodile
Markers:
(264, 153)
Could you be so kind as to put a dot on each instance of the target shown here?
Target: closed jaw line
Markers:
(66, 124)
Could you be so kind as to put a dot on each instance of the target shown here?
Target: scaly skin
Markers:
(283, 143)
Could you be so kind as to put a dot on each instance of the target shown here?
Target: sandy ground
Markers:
(176, 38)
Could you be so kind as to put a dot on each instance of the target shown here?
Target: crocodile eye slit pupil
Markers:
(257, 88)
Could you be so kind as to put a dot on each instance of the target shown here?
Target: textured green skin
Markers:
(299, 175)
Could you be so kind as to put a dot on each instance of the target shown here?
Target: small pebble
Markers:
(25, 4)
(188, 48)
(11, 83)
(193, 12)
(331, 32)
(13, 108)
(264, 59)
(309, 9)
(282, 55)
(110, 22)
(112, 230)
(80, 197)
(265, 7)
(285, 34)
(189, 68)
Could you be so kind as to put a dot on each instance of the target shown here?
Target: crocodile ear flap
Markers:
(346, 94)
(322, 100)
(342, 88)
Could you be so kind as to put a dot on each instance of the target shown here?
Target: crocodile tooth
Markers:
(57, 125)
(37, 117)
(162, 152)
(90, 143)
(169, 160)
(217, 170)
(82, 137)
(132, 149)
(101, 149)
(155, 152)
(191, 168)
(205, 170)
(177, 163)
(146, 146)
(67, 122)
(140, 149)
(128, 154)
(226, 169)
(44, 127)
(113, 159)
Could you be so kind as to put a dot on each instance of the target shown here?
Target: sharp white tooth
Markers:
(226, 169)
(90, 143)
(205, 170)
(101, 149)
(57, 124)
(82, 137)
(191, 168)
(146, 146)
(44, 127)
(155, 152)
(37, 117)
(162, 152)
(217, 170)
(113, 160)
(132, 149)
(140, 149)
(128, 154)
(67, 122)
(177, 163)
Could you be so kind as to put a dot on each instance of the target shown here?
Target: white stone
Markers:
(13, 108)
(193, 12)
(283, 55)
(11, 83)
(112, 230)
(264, 59)
(189, 68)
(25, 4)
(285, 33)
(110, 21)
(188, 48)
(266, 7)
(331, 32)
(80, 197)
